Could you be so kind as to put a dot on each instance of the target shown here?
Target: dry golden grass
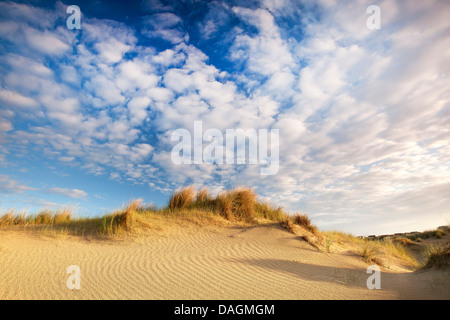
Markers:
(46, 216)
(305, 231)
(120, 221)
(287, 225)
(203, 196)
(369, 253)
(186, 204)
(342, 237)
(240, 205)
(399, 250)
(301, 225)
(62, 221)
(182, 199)
(304, 221)
(436, 256)
(243, 204)
(266, 211)
(373, 251)
(403, 241)
(223, 204)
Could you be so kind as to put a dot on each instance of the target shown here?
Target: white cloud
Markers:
(26, 66)
(32, 15)
(166, 26)
(160, 94)
(266, 53)
(138, 109)
(136, 75)
(17, 100)
(66, 159)
(7, 185)
(46, 42)
(169, 57)
(5, 125)
(163, 20)
(177, 80)
(69, 75)
(112, 51)
(105, 89)
(155, 5)
(71, 193)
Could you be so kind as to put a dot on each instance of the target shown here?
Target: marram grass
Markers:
(239, 205)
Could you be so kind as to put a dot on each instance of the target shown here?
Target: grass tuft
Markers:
(43, 217)
(368, 252)
(304, 221)
(203, 197)
(403, 241)
(436, 256)
(182, 199)
(243, 204)
(287, 225)
(237, 204)
(120, 221)
(266, 211)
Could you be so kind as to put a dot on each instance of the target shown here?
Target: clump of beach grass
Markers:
(368, 252)
(287, 224)
(304, 221)
(328, 244)
(298, 219)
(301, 225)
(243, 204)
(239, 204)
(62, 221)
(403, 241)
(436, 256)
(182, 199)
(122, 220)
(399, 249)
(340, 237)
(45, 216)
(266, 211)
(203, 197)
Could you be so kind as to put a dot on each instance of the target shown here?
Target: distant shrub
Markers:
(438, 234)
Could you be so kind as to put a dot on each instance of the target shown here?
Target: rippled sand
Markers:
(262, 262)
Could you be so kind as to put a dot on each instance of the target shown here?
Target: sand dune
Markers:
(259, 262)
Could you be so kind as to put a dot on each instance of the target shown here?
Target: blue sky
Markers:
(86, 115)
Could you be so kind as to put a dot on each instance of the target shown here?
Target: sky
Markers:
(87, 115)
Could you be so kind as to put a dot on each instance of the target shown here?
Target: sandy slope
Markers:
(262, 262)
